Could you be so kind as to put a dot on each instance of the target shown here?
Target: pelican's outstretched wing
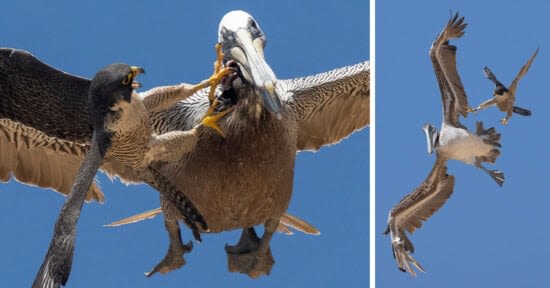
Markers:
(443, 58)
(418, 206)
(522, 73)
(329, 106)
(44, 123)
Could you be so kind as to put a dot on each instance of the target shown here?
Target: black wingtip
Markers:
(56, 268)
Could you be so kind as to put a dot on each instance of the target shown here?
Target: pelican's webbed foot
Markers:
(174, 257)
(497, 175)
(252, 255)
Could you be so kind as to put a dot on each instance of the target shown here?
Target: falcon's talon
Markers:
(209, 119)
(212, 120)
(216, 79)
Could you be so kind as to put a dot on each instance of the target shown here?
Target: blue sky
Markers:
(485, 236)
(174, 42)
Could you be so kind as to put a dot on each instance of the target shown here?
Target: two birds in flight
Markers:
(158, 137)
(453, 142)
(59, 129)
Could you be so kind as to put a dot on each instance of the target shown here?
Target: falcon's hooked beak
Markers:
(243, 41)
(135, 71)
(431, 136)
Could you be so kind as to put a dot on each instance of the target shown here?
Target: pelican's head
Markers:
(243, 41)
(431, 136)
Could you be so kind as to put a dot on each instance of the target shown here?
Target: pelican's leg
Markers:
(174, 257)
(484, 105)
(497, 175)
(490, 137)
(252, 255)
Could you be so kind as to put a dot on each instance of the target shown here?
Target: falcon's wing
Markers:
(44, 123)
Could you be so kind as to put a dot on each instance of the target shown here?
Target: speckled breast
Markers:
(132, 133)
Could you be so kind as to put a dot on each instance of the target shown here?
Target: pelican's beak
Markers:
(431, 136)
(249, 54)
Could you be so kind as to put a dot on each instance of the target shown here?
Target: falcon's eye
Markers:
(128, 79)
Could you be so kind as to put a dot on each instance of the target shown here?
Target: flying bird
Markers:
(237, 181)
(115, 110)
(271, 121)
(505, 98)
(122, 134)
(454, 141)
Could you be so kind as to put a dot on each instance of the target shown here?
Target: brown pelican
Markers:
(504, 98)
(453, 142)
(239, 181)
(266, 128)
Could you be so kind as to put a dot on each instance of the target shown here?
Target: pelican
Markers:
(505, 98)
(239, 181)
(453, 142)
(271, 121)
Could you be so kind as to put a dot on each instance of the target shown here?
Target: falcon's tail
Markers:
(521, 111)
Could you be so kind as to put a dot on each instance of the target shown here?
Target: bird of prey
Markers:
(122, 117)
(237, 181)
(121, 134)
(505, 98)
(453, 142)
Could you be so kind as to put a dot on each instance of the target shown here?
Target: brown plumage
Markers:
(246, 178)
(418, 206)
(505, 98)
(120, 119)
(454, 141)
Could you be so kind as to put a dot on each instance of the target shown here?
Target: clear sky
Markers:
(485, 236)
(173, 41)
